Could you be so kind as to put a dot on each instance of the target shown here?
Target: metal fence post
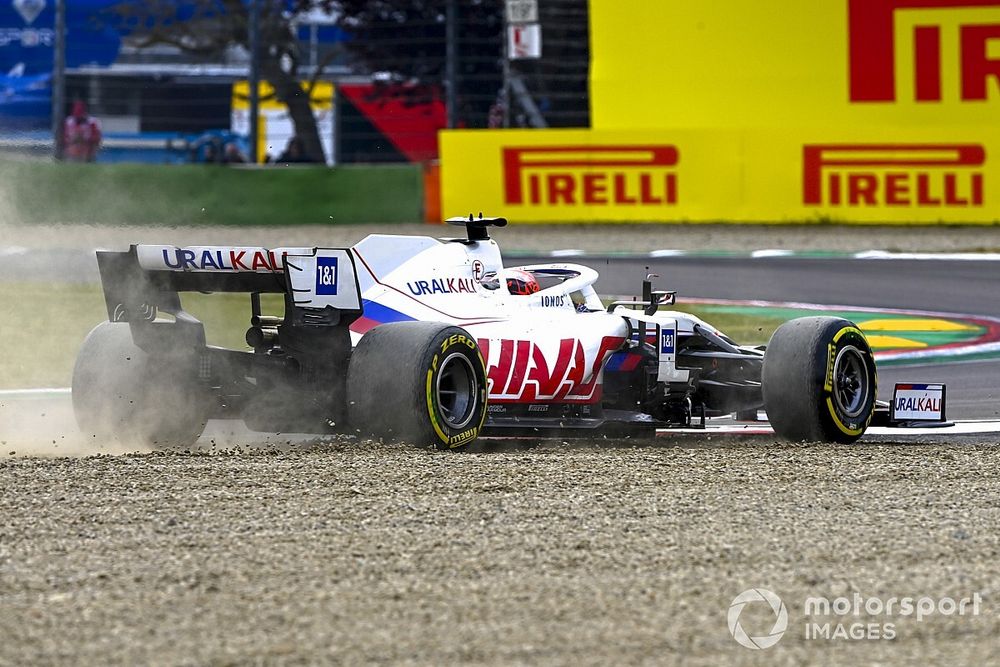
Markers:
(59, 79)
(451, 63)
(254, 78)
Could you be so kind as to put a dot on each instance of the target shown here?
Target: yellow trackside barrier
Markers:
(695, 175)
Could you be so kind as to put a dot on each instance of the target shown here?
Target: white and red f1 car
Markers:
(436, 342)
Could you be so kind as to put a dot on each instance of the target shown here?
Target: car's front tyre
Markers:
(819, 380)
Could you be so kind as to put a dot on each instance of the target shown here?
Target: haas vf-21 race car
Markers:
(436, 342)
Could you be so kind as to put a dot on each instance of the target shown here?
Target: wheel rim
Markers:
(850, 381)
(456, 391)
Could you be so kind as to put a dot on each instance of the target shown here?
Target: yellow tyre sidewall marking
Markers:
(470, 433)
(828, 384)
(432, 404)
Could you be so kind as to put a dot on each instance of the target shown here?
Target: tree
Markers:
(398, 41)
(208, 28)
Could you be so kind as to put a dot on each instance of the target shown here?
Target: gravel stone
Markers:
(347, 552)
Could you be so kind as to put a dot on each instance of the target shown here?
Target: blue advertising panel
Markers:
(27, 41)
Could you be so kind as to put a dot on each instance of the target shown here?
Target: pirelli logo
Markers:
(918, 175)
(934, 34)
(624, 175)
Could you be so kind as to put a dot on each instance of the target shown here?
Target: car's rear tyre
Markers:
(819, 380)
(418, 382)
(122, 393)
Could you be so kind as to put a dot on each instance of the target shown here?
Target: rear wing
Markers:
(143, 283)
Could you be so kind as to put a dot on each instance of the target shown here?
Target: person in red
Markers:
(81, 135)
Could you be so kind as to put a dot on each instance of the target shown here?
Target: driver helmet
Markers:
(521, 282)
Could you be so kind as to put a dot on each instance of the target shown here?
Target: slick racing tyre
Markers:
(819, 380)
(418, 382)
(122, 393)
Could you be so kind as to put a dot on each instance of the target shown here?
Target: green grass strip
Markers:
(45, 193)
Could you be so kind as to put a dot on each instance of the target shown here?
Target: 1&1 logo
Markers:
(326, 276)
(667, 341)
(757, 641)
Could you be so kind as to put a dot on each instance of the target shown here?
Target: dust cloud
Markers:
(42, 424)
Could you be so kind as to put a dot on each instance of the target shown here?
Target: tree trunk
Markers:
(289, 91)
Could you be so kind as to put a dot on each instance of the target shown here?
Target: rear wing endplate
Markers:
(320, 284)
